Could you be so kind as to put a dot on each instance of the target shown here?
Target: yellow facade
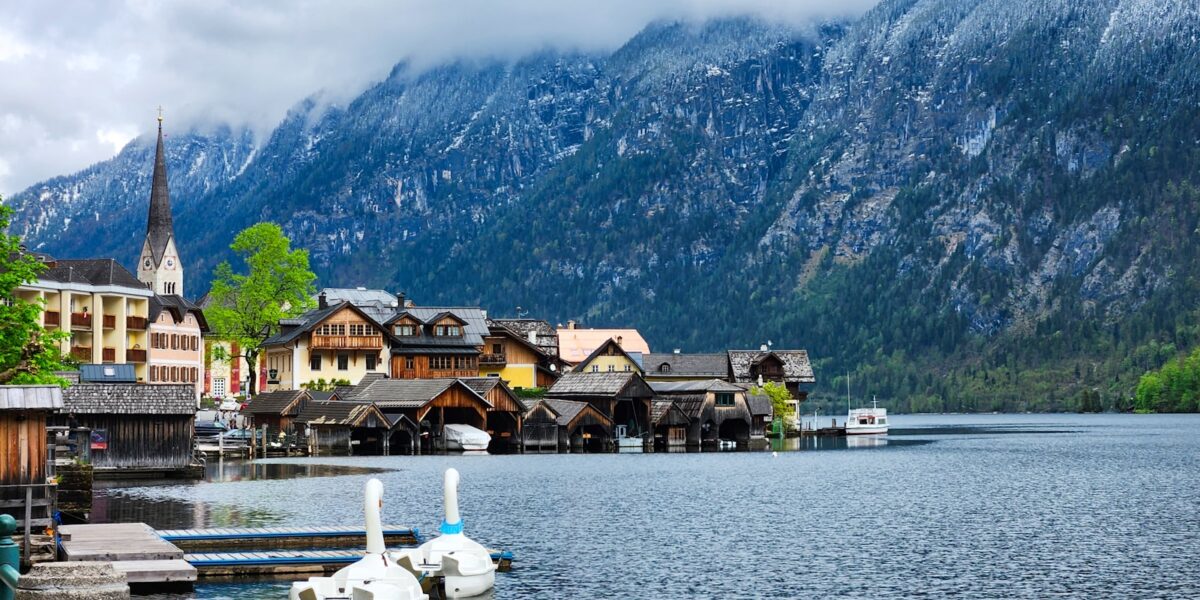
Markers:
(294, 363)
(516, 376)
(608, 363)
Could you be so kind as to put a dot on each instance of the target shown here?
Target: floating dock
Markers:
(133, 548)
(192, 540)
(292, 562)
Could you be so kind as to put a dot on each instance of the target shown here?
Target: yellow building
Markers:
(331, 342)
(517, 359)
(609, 357)
(101, 304)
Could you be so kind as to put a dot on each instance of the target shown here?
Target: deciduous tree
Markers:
(28, 353)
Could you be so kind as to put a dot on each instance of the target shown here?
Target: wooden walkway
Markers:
(280, 562)
(131, 547)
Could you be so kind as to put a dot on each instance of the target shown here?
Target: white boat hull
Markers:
(866, 430)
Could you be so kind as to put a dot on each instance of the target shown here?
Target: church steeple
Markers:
(159, 265)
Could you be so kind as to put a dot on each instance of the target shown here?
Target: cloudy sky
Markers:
(82, 78)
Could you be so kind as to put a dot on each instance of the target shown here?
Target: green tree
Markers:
(781, 399)
(246, 308)
(28, 353)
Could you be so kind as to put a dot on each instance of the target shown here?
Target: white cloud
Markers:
(77, 74)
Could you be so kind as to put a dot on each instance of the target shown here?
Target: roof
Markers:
(691, 405)
(581, 365)
(299, 325)
(500, 330)
(30, 397)
(796, 368)
(592, 384)
(279, 402)
(759, 404)
(350, 414)
(178, 306)
(159, 229)
(658, 408)
(574, 345)
(567, 410)
(379, 304)
(92, 271)
(107, 373)
(323, 396)
(474, 321)
(687, 365)
(130, 399)
(544, 336)
(484, 386)
(692, 387)
(347, 392)
(408, 393)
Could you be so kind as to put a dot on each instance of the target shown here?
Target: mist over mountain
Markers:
(971, 205)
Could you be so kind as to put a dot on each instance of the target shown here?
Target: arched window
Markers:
(664, 368)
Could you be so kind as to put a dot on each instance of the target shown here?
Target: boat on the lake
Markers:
(625, 441)
(465, 438)
(863, 421)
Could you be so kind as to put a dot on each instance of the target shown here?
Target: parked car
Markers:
(230, 406)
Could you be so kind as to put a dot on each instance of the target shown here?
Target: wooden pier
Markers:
(133, 548)
(292, 562)
(265, 538)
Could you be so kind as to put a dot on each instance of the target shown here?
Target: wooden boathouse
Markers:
(25, 462)
(622, 396)
(430, 403)
(567, 426)
(670, 424)
(136, 429)
(277, 410)
(716, 410)
(506, 415)
(345, 428)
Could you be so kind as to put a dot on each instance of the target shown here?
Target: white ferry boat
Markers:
(862, 421)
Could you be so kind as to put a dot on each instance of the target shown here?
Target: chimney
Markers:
(532, 337)
(400, 299)
(676, 351)
(621, 341)
(321, 301)
(571, 324)
(762, 348)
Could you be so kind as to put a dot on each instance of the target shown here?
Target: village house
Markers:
(716, 410)
(176, 335)
(609, 357)
(622, 396)
(277, 410)
(518, 358)
(330, 342)
(576, 343)
(789, 367)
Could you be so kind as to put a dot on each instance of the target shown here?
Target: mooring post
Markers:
(10, 558)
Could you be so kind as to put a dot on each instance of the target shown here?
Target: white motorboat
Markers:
(466, 438)
(465, 566)
(374, 577)
(864, 421)
(626, 442)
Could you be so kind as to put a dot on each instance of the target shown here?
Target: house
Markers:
(521, 360)
(505, 416)
(346, 428)
(716, 410)
(277, 411)
(682, 367)
(436, 342)
(538, 332)
(330, 342)
(222, 378)
(622, 396)
(609, 357)
(102, 306)
(576, 343)
(137, 429)
(670, 424)
(567, 425)
(176, 350)
(430, 403)
(789, 367)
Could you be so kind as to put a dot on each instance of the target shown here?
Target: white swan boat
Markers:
(466, 438)
(375, 576)
(863, 421)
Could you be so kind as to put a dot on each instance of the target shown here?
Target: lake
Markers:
(985, 506)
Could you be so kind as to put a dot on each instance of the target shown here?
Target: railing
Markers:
(349, 342)
(133, 355)
(135, 322)
(81, 319)
(493, 359)
(110, 321)
(108, 355)
(52, 318)
(38, 502)
(83, 353)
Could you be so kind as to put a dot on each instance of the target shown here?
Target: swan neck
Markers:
(372, 507)
(453, 522)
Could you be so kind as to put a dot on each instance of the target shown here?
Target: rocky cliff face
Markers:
(934, 172)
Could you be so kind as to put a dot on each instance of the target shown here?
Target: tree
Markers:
(247, 308)
(781, 399)
(28, 353)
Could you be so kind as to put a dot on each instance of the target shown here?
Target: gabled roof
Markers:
(349, 414)
(687, 365)
(596, 385)
(796, 367)
(665, 411)
(574, 345)
(31, 397)
(178, 306)
(410, 393)
(281, 402)
(92, 271)
(692, 405)
(611, 343)
(694, 387)
(569, 410)
(323, 396)
(348, 392)
(544, 336)
(473, 319)
(380, 304)
(759, 405)
(484, 386)
(130, 399)
(309, 320)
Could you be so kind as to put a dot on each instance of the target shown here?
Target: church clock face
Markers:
(170, 263)
(146, 263)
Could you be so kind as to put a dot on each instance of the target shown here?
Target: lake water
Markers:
(980, 506)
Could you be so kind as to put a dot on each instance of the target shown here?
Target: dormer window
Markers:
(664, 368)
(447, 331)
(406, 330)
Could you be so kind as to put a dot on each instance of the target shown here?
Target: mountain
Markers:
(972, 205)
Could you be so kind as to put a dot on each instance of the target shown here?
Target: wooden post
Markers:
(28, 519)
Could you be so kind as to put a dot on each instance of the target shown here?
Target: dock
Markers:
(133, 548)
(269, 538)
(293, 562)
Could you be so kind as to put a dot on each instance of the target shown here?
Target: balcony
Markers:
(347, 342)
(135, 322)
(108, 355)
(81, 319)
(52, 319)
(81, 353)
(133, 355)
(492, 360)
(110, 321)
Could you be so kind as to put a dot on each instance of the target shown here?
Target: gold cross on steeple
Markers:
(160, 113)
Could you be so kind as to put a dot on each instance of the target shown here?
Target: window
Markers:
(343, 362)
(358, 329)
(174, 341)
(724, 398)
(406, 330)
(441, 362)
(218, 387)
(332, 329)
(314, 362)
(628, 367)
(370, 362)
(153, 373)
(664, 368)
(595, 368)
(464, 362)
(174, 374)
(409, 363)
(612, 368)
(447, 331)
(497, 348)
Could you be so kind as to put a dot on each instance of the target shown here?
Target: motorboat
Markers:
(727, 444)
(375, 576)
(465, 566)
(626, 442)
(864, 421)
(466, 438)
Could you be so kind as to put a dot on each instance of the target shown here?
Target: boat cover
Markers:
(466, 436)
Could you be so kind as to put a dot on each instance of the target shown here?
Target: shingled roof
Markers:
(280, 402)
(178, 306)
(759, 405)
(692, 387)
(569, 409)
(409, 393)
(93, 271)
(594, 384)
(544, 335)
(130, 399)
(349, 414)
(796, 367)
(291, 329)
(686, 365)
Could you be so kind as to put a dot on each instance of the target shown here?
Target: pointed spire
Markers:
(159, 228)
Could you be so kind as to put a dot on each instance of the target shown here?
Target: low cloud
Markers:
(82, 78)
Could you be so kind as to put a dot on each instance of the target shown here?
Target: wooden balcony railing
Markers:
(492, 360)
(133, 355)
(110, 321)
(347, 342)
(135, 322)
(52, 319)
(82, 353)
(108, 354)
(81, 319)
